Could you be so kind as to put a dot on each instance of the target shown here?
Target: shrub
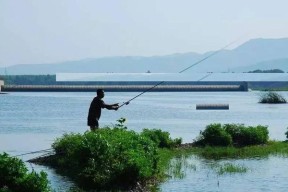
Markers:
(214, 134)
(235, 130)
(14, 176)
(238, 134)
(254, 135)
(271, 97)
(161, 138)
(107, 158)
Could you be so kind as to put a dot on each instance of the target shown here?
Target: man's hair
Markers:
(99, 91)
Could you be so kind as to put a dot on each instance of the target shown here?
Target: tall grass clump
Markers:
(231, 169)
(14, 176)
(232, 135)
(271, 97)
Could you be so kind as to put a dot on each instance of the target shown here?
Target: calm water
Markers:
(31, 122)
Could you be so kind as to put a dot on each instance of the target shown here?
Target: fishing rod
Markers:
(194, 64)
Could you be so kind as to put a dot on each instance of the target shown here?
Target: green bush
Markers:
(161, 138)
(255, 135)
(250, 135)
(214, 134)
(236, 134)
(14, 176)
(271, 97)
(107, 158)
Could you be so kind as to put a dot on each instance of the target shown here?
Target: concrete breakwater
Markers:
(122, 88)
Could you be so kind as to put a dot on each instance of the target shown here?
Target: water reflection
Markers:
(267, 174)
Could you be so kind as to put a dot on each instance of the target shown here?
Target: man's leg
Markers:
(94, 127)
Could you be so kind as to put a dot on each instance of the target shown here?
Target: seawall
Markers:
(205, 87)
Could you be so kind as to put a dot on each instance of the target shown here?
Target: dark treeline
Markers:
(267, 71)
(29, 79)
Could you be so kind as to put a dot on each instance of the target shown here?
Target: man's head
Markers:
(100, 93)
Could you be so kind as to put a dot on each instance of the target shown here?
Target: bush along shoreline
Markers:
(114, 158)
(237, 135)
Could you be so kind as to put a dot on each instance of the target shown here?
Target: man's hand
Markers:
(116, 106)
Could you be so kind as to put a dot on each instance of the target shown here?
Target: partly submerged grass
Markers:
(271, 148)
(174, 163)
(231, 169)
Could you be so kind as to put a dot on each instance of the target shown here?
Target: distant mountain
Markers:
(255, 52)
(109, 64)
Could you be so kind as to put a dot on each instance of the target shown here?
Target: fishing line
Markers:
(33, 152)
(194, 64)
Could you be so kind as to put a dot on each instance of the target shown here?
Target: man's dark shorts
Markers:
(92, 122)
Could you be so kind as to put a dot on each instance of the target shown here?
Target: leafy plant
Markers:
(14, 176)
(120, 123)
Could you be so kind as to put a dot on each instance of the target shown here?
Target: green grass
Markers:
(271, 148)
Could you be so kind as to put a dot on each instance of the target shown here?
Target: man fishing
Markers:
(95, 109)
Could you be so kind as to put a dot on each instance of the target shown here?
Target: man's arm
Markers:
(111, 107)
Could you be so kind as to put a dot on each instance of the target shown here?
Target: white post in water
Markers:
(1, 83)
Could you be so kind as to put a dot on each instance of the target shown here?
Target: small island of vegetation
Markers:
(271, 98)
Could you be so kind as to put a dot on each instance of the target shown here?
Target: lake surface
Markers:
(31, 121)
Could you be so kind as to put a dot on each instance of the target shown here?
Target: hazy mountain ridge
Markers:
(254, 53)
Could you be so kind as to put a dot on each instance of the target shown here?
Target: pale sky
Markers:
(47, 31)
